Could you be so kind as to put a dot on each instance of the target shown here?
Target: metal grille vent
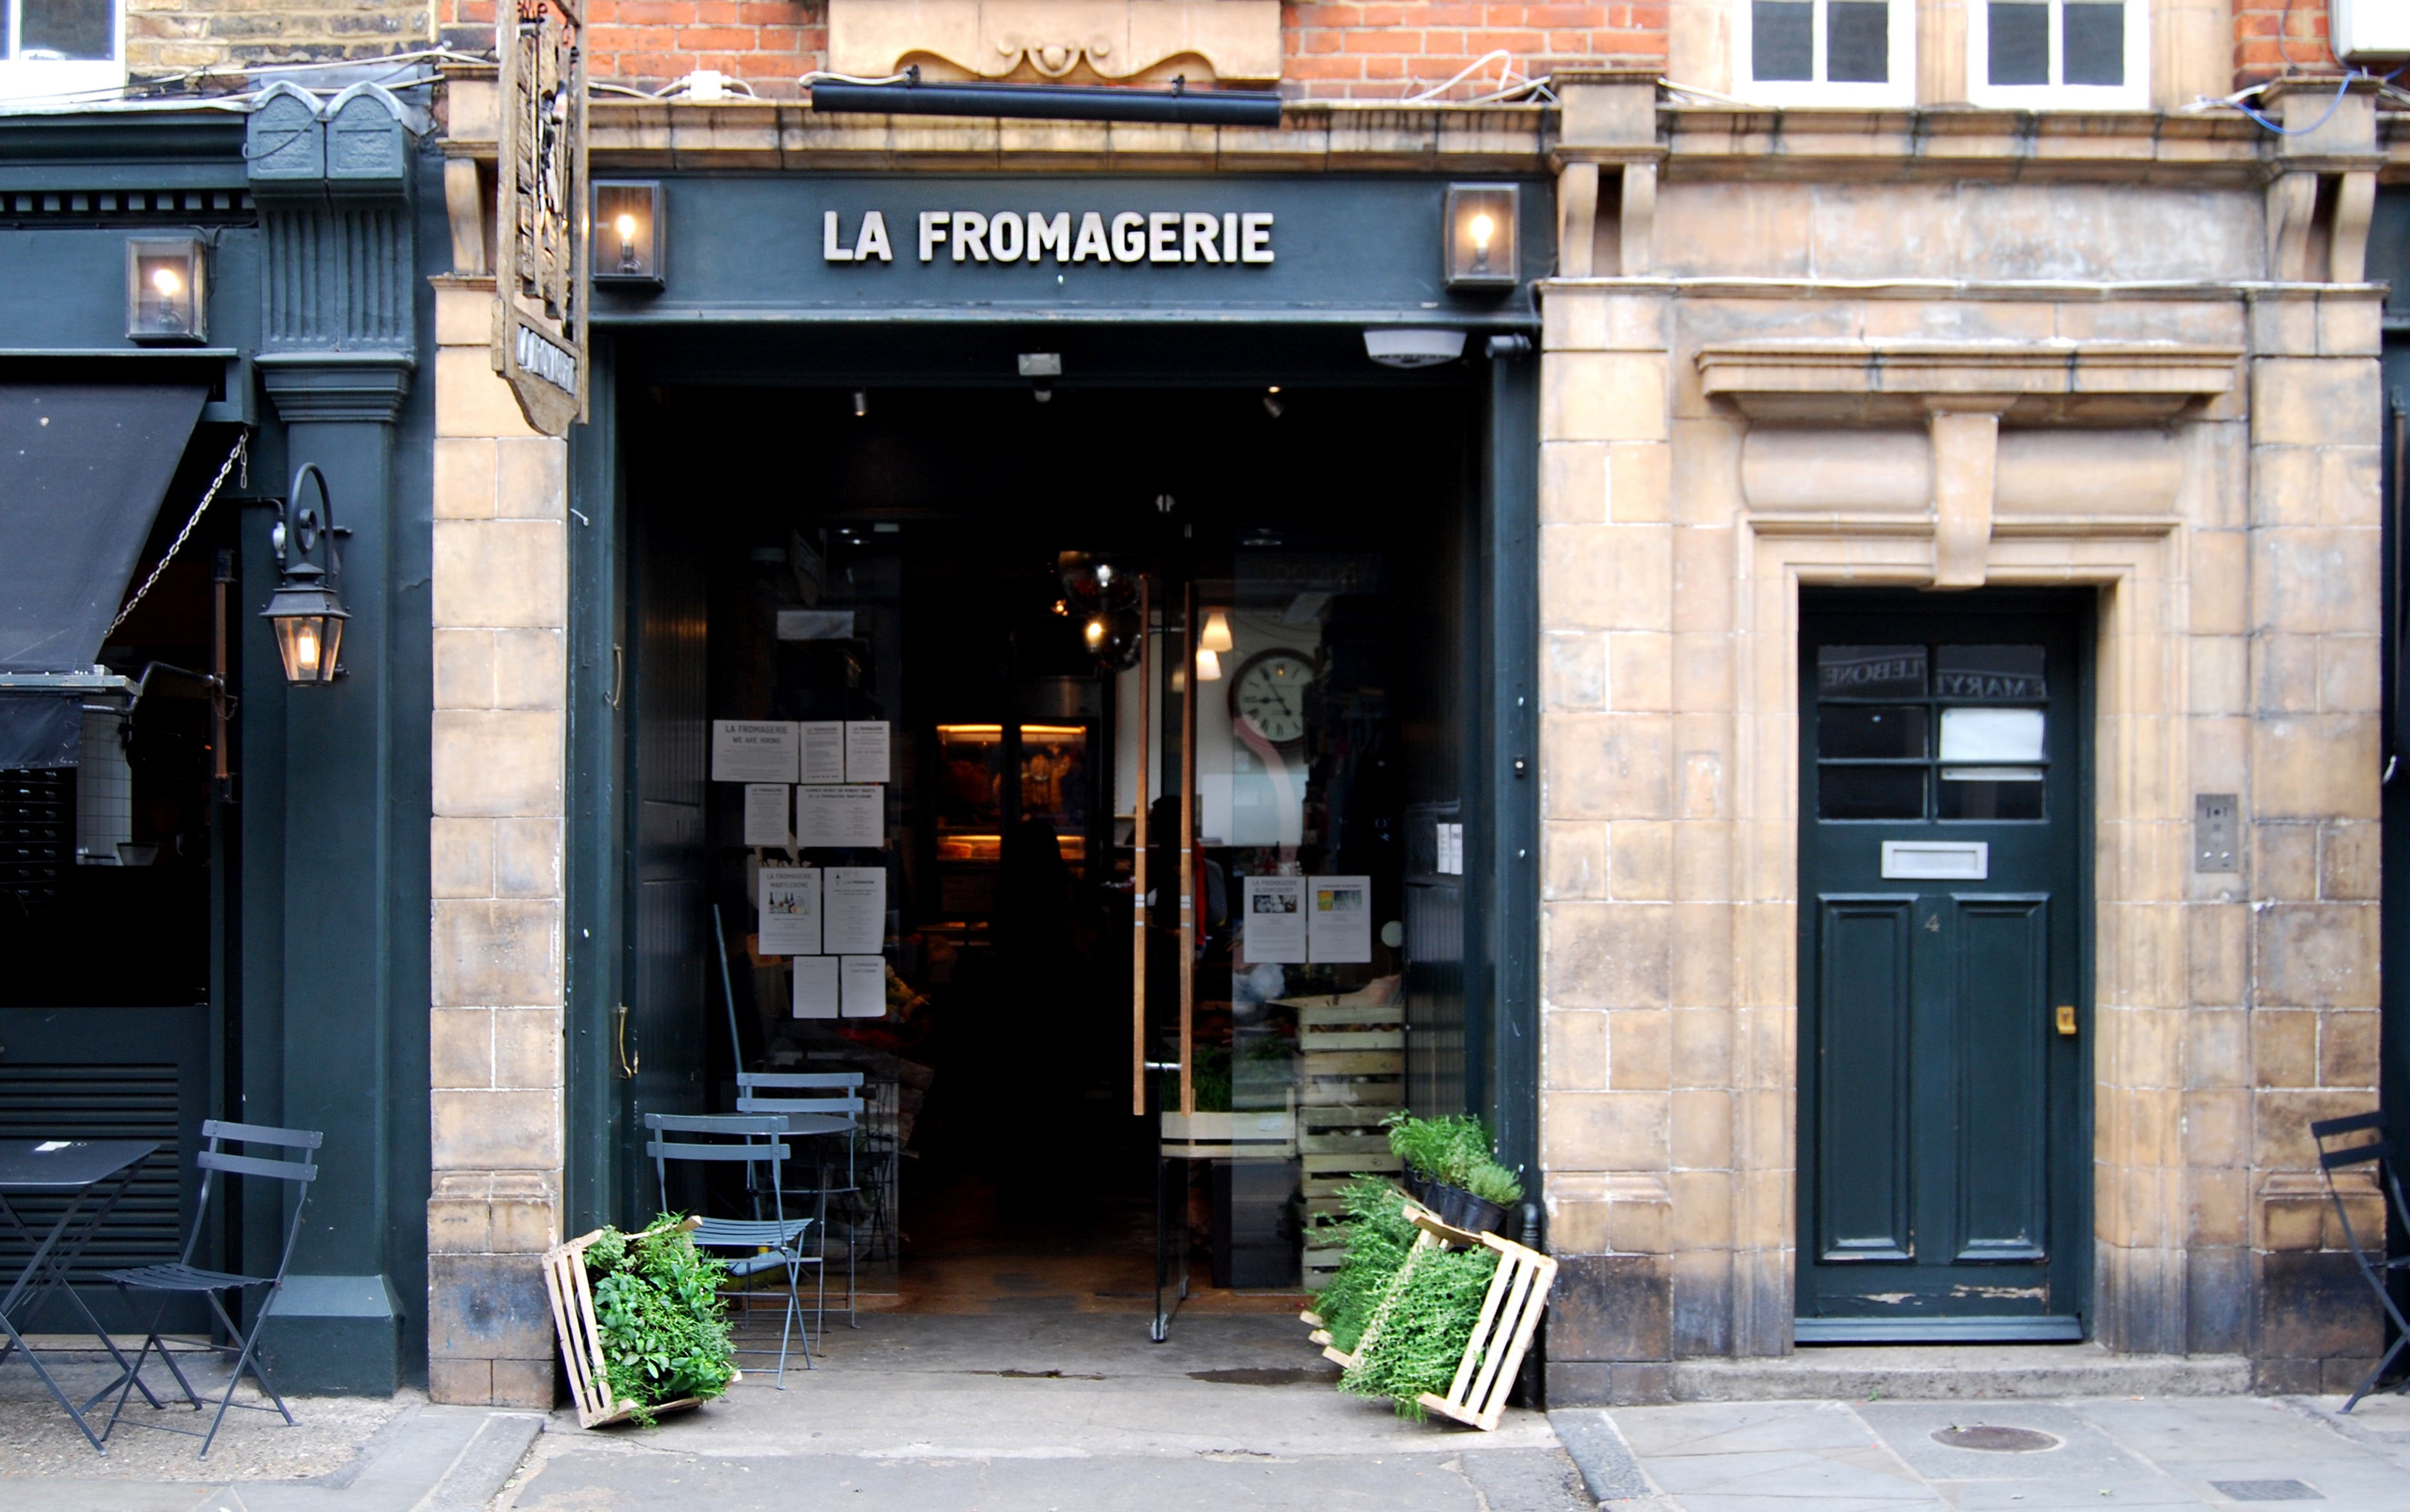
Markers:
(36, 830)
(101, 1103)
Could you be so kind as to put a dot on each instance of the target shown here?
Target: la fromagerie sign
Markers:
(1228, 238)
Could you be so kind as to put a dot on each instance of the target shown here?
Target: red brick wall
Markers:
(1335, 49)
(2272, 38)
(1349, 49)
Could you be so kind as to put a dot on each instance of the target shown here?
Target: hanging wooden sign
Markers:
(540, 310)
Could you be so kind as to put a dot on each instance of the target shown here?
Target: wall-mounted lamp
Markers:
(1216, 634)
(306, 611)
(628, 235)
(166, 289)
(1481, 243)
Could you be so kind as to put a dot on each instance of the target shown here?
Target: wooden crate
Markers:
(1501, 1331)
(581, 1336)
(1352, 1075)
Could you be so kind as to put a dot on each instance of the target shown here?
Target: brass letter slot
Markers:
(2066, 1020)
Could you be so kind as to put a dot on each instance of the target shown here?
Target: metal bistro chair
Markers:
(2373, 1266)
(774, 1243)
(185, 1279)
(809, 1117)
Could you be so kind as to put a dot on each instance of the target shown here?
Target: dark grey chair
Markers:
(184, 1278)
(2374, 1267)
(775, 1243)
(829, 1116)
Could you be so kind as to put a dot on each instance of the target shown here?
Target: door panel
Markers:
(1943, 1118)
(1861, 1169)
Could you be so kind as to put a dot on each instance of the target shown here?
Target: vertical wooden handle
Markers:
(1138, 867)
(1188, 849)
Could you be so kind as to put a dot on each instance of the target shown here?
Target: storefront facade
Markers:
(1913, 606)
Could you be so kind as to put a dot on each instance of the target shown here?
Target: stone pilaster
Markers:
(501, 615)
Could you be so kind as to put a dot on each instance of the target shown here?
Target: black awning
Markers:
(82, 469)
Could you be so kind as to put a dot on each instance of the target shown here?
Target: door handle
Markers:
(619, 1045)
(2066, 1020)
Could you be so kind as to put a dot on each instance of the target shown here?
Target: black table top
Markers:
(26, 1165)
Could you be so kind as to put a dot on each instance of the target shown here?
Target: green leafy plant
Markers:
(1455, 1149)
(664, 1327)
(1376, 1236)
(1424, 1329)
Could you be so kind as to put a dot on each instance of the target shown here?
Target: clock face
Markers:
(1269, 695)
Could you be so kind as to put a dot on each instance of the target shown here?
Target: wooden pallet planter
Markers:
(1510, 1314)
(581, 1337)
(1352, 1074)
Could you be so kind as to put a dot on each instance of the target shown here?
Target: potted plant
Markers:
(1452, 1171)
(643, 1326)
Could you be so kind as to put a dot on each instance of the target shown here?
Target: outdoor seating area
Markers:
(56, 1198)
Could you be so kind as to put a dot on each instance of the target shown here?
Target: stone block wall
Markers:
(502, 673)
(168, 37)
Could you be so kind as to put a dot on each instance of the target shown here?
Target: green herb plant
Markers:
(1377, 1237)
(1455, 1149)
(1424, 1329)
(664, 1327)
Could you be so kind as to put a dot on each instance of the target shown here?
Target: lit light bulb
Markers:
(1095, 631)
(626, 227)
(1483, 229)
(627, 243)
(1216, 636)
(305, 650)
(166, 283)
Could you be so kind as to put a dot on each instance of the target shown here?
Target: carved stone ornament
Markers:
(540, 216)
(1082, 41)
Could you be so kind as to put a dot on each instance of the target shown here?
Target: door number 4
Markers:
(1932, 924)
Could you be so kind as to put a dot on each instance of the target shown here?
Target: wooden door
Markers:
(1944, 1138)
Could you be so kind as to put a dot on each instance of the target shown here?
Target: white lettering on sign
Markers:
(1230, 238)
(547, 361)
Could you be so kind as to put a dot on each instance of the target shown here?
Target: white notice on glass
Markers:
(1274, 923)
(790, 910)
(752, 751)
(866, 751)
(816, 987)
(1338, 919)
(855, 900)
(846, 815)
(823, 751)
(766, 808)
(864, 986)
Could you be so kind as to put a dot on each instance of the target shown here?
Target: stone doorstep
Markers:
(1952, 1372)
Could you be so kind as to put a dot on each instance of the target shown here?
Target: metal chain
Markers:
(241, 445)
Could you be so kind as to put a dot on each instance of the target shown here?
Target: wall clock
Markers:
(1268, 695)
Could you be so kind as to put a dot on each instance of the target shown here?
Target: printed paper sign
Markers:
(823, 750)
(790, 910)
(855, 901)
(753, 751)
(840, 816)
(817, 995)
(1338, 919)
(863, 986)
(866, 751)
(1273, 926)
(767, 809)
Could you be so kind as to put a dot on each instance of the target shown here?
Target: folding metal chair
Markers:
(185, 1279)
(774, 1243)
(2374, 1266)
(814, 1117)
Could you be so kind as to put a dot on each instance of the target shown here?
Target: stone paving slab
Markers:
(2186, 1452)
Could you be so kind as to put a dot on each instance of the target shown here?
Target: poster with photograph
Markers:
(790, 910)
(844, 815)
(866, 751)
(768, 807)
(818, 995)
(863, 986)
(855, 900)
(1338, 919)
(822, 753)
(753, 751)
(1273, 926)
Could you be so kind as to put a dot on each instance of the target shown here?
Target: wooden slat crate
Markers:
(581, 1336)
(1353, 1075)
(1501, 1331)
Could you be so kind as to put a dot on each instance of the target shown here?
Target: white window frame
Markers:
(2133, 95)
(34, 78)
(1899, 89)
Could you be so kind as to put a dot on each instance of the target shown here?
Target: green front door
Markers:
(1943, 1139)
